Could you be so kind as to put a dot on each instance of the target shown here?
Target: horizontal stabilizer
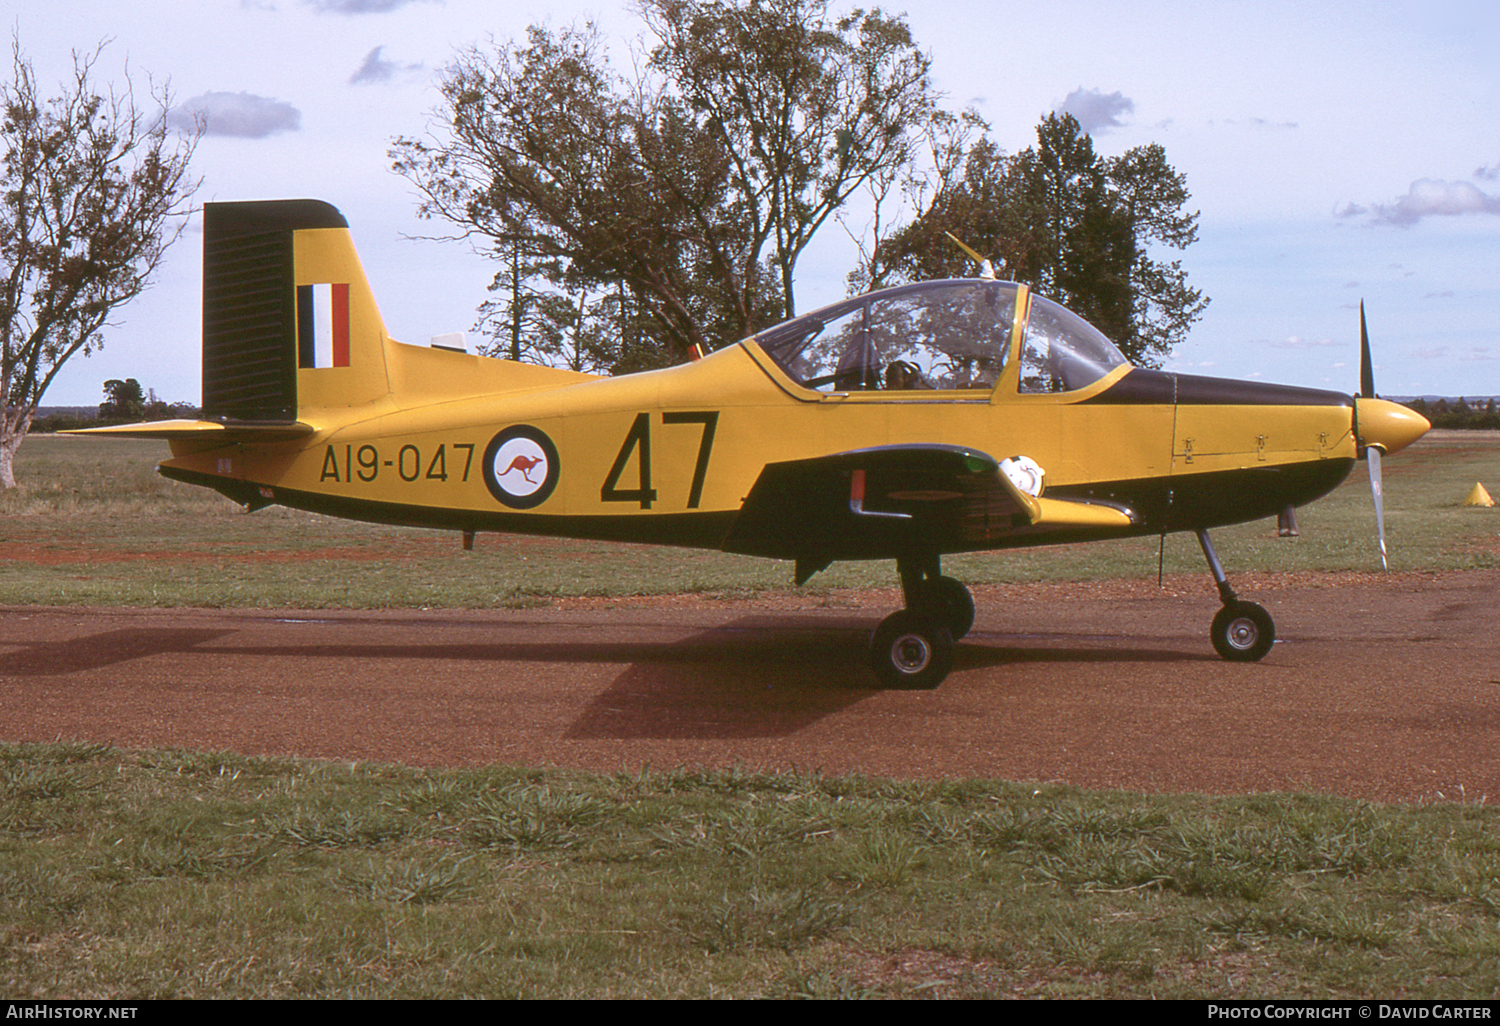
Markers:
(209, 432)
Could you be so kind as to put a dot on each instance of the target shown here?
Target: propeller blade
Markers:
(1372, 457)
(1366, 365)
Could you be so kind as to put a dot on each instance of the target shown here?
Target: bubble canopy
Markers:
(955, 334)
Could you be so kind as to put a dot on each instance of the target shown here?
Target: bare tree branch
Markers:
(93, 191)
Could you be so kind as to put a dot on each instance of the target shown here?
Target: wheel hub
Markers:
(1243, 633)
(911, 653)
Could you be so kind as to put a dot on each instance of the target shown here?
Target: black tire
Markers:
(1243, 632)
(949, 601)
(909, 650)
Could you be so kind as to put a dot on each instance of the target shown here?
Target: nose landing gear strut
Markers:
(1242, 632)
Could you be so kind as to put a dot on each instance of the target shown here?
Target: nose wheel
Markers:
(1242, 632)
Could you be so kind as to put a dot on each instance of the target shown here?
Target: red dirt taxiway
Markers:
(1386, 688)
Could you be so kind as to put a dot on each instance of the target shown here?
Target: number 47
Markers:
(638, 444)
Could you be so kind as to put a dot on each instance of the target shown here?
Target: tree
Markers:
(538, 317)
(126, 400)
(547, 152)
(1075, 226)
(808, 107)
(94, 191)
(917, 187)
(695, 184)
(523, 320)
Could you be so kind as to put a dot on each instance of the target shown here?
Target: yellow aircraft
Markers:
(906, 424)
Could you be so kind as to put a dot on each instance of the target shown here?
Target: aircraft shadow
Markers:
(77, 655)
(756, 676)
(785, 681)
(978, 652)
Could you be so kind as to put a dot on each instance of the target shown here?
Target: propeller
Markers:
(1381, 428)
(1372, 452)
(1366, 366)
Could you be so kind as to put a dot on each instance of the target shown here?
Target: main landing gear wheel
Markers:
(1243, 632)
(951, 603)
(910, 650)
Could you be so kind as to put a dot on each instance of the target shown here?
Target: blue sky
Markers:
(1337, 151)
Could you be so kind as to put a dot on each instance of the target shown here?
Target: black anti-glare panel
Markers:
(1162, 388)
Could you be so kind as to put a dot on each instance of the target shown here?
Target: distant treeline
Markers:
(125, 402)
(71, 420)
(1479, 415)
(48, 422)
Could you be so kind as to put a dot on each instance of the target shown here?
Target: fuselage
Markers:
(669, 456)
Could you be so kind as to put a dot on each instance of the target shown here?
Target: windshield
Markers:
(1062, 352)
(935, 335)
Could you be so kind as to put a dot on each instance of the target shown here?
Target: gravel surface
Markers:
(1379, 687)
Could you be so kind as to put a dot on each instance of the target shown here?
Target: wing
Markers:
(893, 500)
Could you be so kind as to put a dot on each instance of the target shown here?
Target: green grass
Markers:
(163, 874)
(93, 524)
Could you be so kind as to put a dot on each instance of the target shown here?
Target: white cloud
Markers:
(359, 6)
(1431, 197)
(1254, 122)
(1095, 110)
(242, 115)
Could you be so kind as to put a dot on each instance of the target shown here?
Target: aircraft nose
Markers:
(1388, 426)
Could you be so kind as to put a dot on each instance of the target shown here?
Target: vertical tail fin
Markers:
(277, 276)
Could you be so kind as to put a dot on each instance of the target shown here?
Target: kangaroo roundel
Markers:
(521, 467)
